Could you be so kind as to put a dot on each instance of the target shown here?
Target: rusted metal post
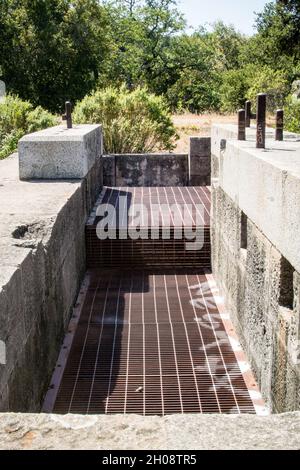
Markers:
(248, 113)
(261, 120)
(279, 125)
(68, 116)
(241, 124)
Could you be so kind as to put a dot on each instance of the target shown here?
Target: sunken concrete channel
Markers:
(255, 256)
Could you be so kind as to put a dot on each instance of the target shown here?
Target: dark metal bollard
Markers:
(279, 125)
(248, 113)
(68, 116)
(241, 124)
(261, 121)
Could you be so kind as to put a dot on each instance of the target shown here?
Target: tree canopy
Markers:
(54, 50)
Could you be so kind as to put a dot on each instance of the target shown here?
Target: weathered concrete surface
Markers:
(42, 256)
(265, 182)
(109, 170)
(60, 153)
(131, 432)
(265, 187)
(200, 161)
(146, 170)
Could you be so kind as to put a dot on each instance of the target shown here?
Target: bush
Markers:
(233, 90)
(272, 82)
(194, 93)
(9, 143)
(292, 114)
(18, 118)
(136, 121)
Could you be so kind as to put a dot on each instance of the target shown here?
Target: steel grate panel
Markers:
(154, 344)
(151, 253)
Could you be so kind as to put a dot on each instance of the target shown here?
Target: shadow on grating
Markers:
(163, 208)
(151, 343)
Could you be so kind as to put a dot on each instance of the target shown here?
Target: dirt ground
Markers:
(188, 125)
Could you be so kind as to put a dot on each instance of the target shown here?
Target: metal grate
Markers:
(149, 252)
(151, 343)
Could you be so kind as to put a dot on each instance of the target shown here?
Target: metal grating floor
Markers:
(152, 343)
(163, 197)
(159, 213)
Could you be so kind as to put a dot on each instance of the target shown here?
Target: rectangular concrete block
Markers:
(200, 146)
(109, 170)
(60, 153)
(200, 161)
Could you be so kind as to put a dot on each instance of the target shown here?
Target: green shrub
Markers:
(194, 93)
(135, 121)
(9, 143)
(272, 82)
(18, 118)
(292, 114)
(233, 90)
(13, 114)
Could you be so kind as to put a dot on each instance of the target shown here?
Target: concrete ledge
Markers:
(42, 256)
(255, 229)
(60, 153)
(177, 432)
(265, 184)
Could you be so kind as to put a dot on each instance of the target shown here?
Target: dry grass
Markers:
(188, 125)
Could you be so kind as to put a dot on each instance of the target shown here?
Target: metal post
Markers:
(261, 120)
(241, 124)
(279, 125)
(248, 113)
(68, 116)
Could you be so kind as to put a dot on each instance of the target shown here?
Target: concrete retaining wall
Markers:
(169, 169)
(146, 170)
(42, 253)
(256, 249)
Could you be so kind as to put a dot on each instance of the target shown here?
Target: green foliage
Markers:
(143, 37)
(226, 44)
(54, 50)
(292, 115)
(234, 89)
(194, 92)
(51, 50)
(18, 118)
(273, 83)
(9, 143)
(136, 121)
(279, 28)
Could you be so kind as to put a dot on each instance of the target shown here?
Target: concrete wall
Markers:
(146, 170)
(256, 254)
(169, 169)
(42, 253)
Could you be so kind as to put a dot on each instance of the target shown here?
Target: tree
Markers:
(141, 33)
(277, 42)
(51, 50)
(226, 43)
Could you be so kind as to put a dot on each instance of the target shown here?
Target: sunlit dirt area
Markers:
(188, 125)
